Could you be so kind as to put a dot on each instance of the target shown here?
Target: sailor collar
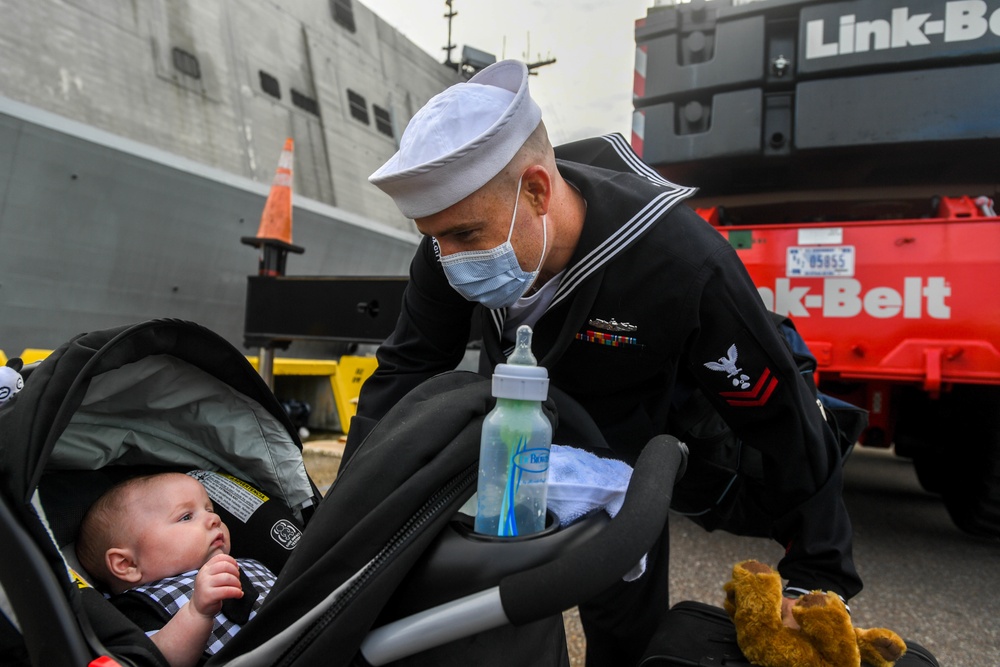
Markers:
(613, 222)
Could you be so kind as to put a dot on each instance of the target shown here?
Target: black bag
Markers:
(724, 481)
(695, 633)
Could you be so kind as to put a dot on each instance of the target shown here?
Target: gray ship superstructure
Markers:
(138, 140)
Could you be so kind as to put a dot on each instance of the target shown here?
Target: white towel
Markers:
(579, 482)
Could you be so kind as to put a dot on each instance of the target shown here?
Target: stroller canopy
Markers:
(164, 392)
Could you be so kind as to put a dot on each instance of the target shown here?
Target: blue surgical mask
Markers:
(494, 277)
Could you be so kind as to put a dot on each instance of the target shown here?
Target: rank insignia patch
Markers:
(749, 392)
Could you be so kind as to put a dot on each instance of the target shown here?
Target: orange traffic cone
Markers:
(274, 235)
(276, 222)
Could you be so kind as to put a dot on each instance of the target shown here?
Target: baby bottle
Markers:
(514, 449)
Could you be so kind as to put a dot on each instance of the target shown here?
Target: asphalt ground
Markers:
(924, 579)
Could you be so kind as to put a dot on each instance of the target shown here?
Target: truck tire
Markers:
(921, 427)
(971, 490)
(930, 466)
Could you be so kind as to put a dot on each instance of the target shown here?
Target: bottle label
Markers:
(532, 460)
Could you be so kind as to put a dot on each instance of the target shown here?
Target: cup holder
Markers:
(461, 561)
(464, 525)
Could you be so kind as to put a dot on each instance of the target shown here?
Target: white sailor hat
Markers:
(459, 140)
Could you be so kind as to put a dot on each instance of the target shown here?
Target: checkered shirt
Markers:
(174, 592)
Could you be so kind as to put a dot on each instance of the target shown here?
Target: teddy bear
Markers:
(826, 637)
(11, 381)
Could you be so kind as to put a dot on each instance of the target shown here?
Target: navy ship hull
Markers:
(98, 231)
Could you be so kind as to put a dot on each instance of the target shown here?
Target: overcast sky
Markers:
(587, 92)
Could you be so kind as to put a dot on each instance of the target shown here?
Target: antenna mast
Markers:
(449, 47)
(532, 66)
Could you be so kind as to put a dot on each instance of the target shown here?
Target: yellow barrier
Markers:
(31, 355)
(28, 356)
(346, 377)
(286, 366)
(351, 374)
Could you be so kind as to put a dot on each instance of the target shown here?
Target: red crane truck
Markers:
(850, 151)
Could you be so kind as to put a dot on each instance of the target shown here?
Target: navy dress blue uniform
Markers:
(651, 295)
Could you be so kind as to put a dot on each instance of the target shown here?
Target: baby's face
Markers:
(176, 528)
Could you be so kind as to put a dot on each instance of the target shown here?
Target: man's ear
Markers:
(122, 565)
(538, 184)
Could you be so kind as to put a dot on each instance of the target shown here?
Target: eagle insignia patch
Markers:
(749, 393)
(727, 364)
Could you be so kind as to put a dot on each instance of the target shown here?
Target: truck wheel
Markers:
(971, 491)
(921, 427)
(930, 467)
(929, 462)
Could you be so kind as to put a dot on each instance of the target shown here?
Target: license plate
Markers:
(822, 261)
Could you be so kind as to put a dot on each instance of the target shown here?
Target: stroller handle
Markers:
(574, 577)
(583, 572)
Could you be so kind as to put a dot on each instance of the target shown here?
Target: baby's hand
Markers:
(217, 580)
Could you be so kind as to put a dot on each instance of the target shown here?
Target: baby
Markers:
(159, 536)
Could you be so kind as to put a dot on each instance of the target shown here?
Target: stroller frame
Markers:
(50, 610)
(554, 572)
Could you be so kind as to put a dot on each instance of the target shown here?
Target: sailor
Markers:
(630, 294)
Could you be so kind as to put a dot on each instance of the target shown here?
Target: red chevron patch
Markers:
(757, 395)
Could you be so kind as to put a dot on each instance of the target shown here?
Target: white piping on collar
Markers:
(499, 316)
(623, 236)
(618, 241)
(628, 156)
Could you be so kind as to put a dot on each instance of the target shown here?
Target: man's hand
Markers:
(217, 580)
(787, 619)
